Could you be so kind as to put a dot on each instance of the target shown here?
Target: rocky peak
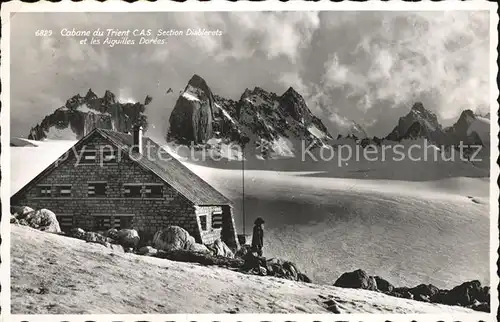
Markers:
(419, 107)
(292, 92)
(467, 117)
(191, 120)
(459, 132)
(419, 113)
(74, 102)
(109, 98)
(90, 95)
(294, 104)
(197, 81)
(428, 125)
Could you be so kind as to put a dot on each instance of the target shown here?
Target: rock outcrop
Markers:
(469, 294)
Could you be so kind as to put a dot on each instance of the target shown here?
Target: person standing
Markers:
(258, 236)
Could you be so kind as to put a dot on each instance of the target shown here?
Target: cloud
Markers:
(274, 34)
(411, 54)
(362, 66)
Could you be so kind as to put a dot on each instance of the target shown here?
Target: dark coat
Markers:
(258, 236)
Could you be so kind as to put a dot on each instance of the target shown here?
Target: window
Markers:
(88, 156)
(203, 222)
(63, 190)
(44, 191)
(109, 156)
(97, 189)
(153, 191)
(217, 219)
(132, 190)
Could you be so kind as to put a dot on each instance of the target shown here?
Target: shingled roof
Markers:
(167, 168)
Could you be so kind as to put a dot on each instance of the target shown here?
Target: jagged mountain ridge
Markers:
(81, 114)
(422, 123)
(258, 117)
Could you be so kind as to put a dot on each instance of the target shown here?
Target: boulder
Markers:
(356, 279)
(244, 249)
(44, 220)
(440, 296)
(111, 233)
(383, 285)
(483, 307)
(291, 271)
(199, 248)
(93, 237)
(403, 292)
(20, 212)
(13, 219)
(304, 278)
(173, 238)
(23, 222)
(128, 238)
(484, 295)
(464, 294)
(251, 262)
(220, 248)
(147, 251)
(424, 292)
(77, 233)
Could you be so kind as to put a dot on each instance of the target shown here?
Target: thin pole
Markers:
(243, 189)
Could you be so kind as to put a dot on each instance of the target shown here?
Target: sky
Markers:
(369, 66)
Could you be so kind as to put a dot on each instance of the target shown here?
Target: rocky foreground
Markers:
(175, 244)
(52, 274)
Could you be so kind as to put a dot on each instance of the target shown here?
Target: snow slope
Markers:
(407, 232)
(59, 275)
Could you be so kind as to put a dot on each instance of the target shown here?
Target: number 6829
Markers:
(43, 33)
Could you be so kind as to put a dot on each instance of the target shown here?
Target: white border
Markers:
(117, 6)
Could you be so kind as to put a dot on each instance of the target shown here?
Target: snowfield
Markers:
(408, 231)
(60, 275)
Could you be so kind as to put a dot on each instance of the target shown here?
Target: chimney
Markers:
(137, 137)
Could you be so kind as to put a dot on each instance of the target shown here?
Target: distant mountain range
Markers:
(81, 114)
(259, 117)
(420, 122)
